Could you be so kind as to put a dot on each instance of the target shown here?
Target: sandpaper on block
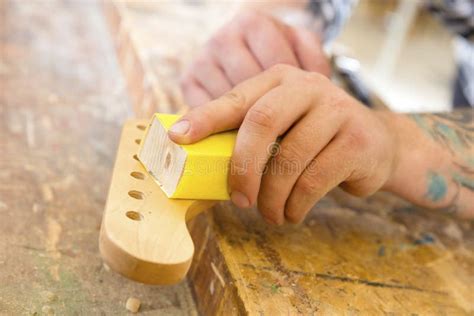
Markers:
(196, 171)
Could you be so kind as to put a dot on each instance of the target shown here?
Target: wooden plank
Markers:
(176, 31)
(369, 256)
(372, 257)
(146, 93)
(143, 235)
(62, 105)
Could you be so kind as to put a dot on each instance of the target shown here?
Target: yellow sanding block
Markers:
(197, 171)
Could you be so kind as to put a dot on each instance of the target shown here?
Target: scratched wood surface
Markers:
(155, 41)
(350, 256)
(62, 105)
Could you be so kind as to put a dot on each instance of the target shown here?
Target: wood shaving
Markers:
(133, 304)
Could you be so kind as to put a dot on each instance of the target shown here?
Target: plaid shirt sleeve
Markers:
(457, 15)
(330, 16)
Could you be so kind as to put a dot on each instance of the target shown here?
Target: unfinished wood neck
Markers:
(143, 234)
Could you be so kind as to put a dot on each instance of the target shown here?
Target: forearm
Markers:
(435, 163)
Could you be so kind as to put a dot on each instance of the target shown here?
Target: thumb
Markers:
(309, 50)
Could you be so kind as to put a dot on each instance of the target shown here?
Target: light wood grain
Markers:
(62, 107)
(143, 234)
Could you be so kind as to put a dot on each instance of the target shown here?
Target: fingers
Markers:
(228, 111)
(194, 93)
(309, 51)
(245, 47)
(268, 44)
(296, 151)
(236, 60)
(217, 70)
(210, 76)
(269, 118)
(331, 167)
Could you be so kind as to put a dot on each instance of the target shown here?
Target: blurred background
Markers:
(406, 54)
(70, 73)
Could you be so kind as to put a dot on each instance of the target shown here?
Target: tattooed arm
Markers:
(436, 163)
(326, 139)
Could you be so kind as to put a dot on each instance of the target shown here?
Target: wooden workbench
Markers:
(62, 104)
(378, 255)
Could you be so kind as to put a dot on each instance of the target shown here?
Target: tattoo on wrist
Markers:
(437, 187)
(455, 132)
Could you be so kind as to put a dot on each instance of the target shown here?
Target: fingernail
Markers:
(239, 199)
(180, 127)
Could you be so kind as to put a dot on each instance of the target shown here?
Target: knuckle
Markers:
(313, 78)
(290, 151)
(280, 69)
(248, 18)
(288, 167)
(287, 160)
(262, 117)
(200, 63)
(309, 80)
(234, 99)
(186, 81)
(357, 139)
(307, 186)
(238, 168)
(338, 107)
(218, 41)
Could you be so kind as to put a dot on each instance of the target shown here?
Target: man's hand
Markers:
(327, 139)
(249, 44)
